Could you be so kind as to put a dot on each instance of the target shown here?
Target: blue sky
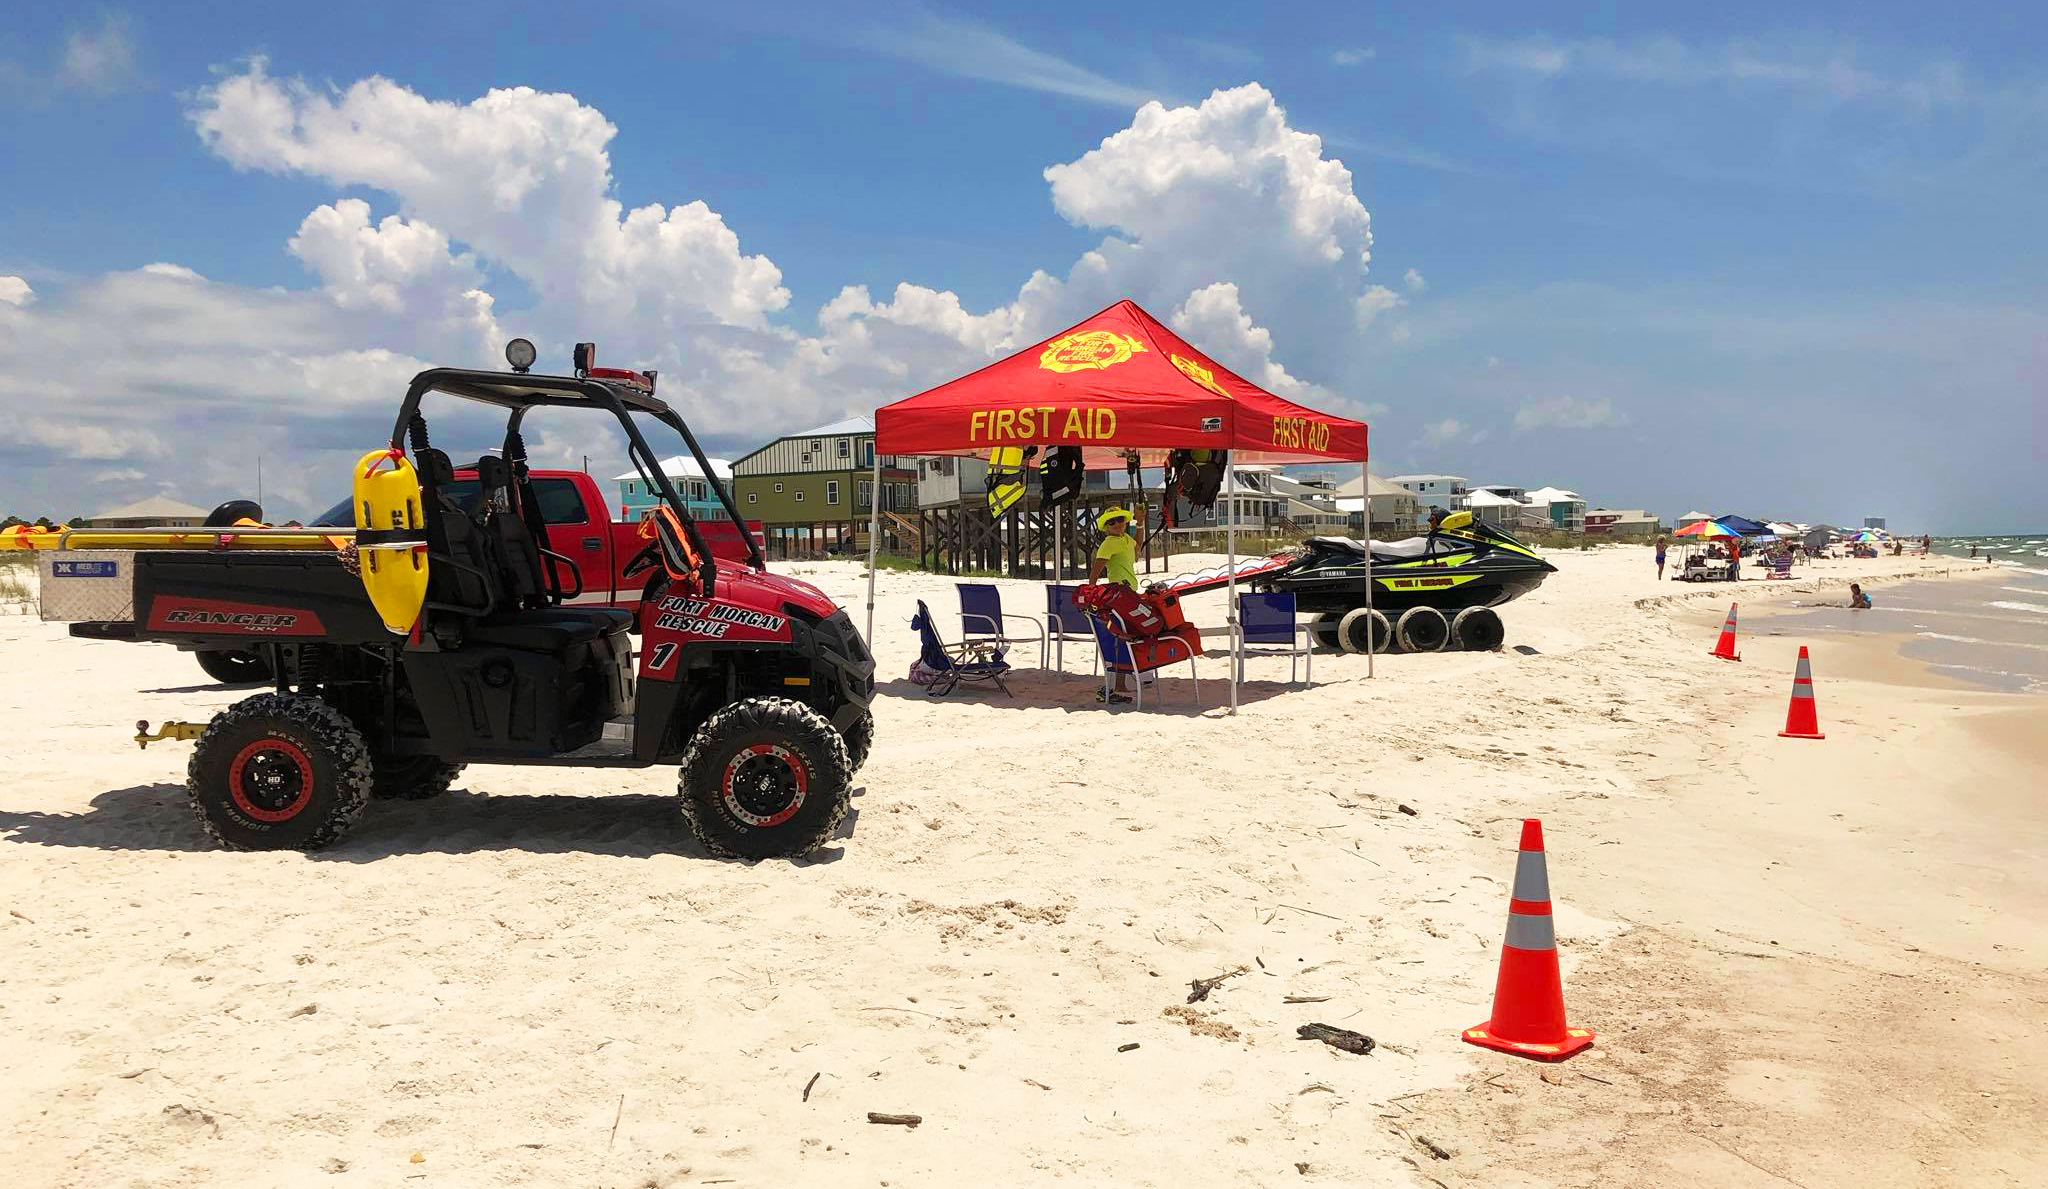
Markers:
(1730, 257)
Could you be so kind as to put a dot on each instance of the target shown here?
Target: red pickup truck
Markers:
(580, 527)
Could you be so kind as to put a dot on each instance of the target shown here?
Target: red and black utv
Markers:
(755, 684)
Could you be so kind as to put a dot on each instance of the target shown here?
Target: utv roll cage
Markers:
(620, 393)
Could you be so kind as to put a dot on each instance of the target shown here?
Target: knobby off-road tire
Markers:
(1478, 629)
(1352, 630)
(234, 666)
(860, 740)
(411, 778)
(764, 777)
(1423, 629)
(279, 772)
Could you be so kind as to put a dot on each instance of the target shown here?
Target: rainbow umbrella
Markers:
(1707, 530)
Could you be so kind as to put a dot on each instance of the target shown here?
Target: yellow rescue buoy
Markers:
(394, 571)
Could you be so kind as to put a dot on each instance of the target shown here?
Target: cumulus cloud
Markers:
(15, 292)
(1444, 432)
(1567, 412)
(1217, 215)
(1377, 300)
(1413, 279)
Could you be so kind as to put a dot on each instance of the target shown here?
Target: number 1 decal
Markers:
(663, 653)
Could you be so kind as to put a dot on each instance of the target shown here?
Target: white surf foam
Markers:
(2011, 605)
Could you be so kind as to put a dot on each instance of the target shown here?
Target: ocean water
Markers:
(1992, 633)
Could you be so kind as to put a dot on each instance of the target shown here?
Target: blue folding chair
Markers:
(1270, 619)
(1064, 620)
(950, 665)
(1114, 652)
(981, 617)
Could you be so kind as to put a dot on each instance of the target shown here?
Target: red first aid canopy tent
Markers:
(1117, 381)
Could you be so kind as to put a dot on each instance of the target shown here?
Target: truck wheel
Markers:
(764, 777)
(234, 666)
(279, 772)
(859, 739)
(1423, 629)
(1478, 629)
(411, 778)
(1363, 629)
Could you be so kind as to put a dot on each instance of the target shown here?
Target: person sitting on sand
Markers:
(1858, 601)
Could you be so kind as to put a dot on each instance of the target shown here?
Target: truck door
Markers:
(580, 533)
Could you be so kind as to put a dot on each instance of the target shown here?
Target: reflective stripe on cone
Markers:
(1802, 717)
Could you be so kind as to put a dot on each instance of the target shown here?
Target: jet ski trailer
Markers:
(1429, 592)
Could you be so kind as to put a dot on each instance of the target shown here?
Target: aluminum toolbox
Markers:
(87, 584)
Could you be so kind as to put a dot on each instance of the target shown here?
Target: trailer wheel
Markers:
(764, 777)
(279, 772)
(234, 666)
(1423, 629)
(1322, 632)
(1353, 628)
(859, 739)
(1478, 629)
(411, 778)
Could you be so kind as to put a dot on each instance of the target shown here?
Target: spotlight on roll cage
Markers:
(520, 354)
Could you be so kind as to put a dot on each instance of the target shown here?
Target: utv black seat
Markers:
(551, 629)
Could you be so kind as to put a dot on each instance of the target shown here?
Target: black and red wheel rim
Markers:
(764, 785)
(271, 780)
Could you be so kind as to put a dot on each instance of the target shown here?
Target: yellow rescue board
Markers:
(387, 499)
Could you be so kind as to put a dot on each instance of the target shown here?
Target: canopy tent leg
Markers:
(874, 543)
(1230, 550)
(1365, 520)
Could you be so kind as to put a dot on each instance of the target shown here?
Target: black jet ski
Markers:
(1454, 574)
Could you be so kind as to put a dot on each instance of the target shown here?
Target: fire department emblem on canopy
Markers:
(1089, 349)
(1199, 374)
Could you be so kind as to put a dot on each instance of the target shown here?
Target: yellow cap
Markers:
(1103, 520)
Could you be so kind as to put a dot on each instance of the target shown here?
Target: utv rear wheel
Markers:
(765, 777)
(1423, 629)
(1478, 629)
(234, 666)
(411, 778)
(859, 739)
(279, 772)
(1363, 629)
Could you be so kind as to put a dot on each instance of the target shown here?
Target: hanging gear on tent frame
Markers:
(1195, 476)
(1059, 476)
(1006, 476)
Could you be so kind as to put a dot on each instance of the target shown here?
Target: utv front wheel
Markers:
(411, 778)
(860, 739)
(278, 772)
(764, 777)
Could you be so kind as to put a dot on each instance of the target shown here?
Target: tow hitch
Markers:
(170, 730)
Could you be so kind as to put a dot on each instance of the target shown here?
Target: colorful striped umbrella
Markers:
(1707, 530)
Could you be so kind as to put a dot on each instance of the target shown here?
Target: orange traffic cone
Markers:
(1726, 648)
(1801, 720)
(1528, 999)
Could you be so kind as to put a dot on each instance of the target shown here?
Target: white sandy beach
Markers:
(1810, 963)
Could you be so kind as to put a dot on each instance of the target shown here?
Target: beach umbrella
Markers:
(1707, 530)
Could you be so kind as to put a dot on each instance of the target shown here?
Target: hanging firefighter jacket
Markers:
(1059, 476)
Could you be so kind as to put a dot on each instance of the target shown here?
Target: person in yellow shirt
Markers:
(1117, 557)
(1116, 560)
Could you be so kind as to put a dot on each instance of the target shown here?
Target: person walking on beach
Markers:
(1660, 559)
(1734, 559)
(1116, 562)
